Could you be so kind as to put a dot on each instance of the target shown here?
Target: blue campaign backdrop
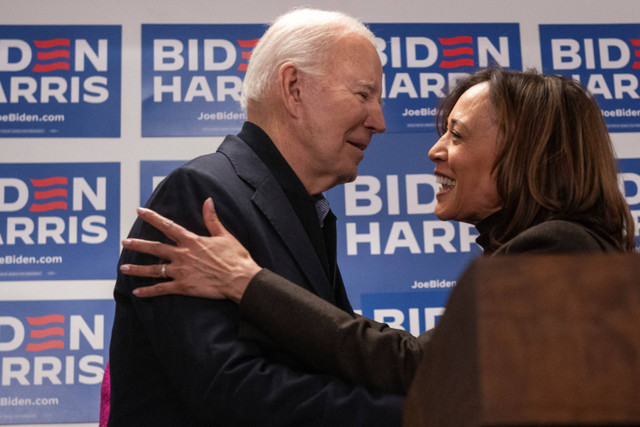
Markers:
(422, 60)
(192, 76)
(53, 357)
(59, 221)
(60, 81)
(606, 59)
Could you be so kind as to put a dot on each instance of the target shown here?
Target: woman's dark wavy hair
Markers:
(555, 158)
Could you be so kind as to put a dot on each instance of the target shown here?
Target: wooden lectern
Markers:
(535, 340)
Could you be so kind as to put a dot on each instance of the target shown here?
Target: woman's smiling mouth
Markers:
(446, 184)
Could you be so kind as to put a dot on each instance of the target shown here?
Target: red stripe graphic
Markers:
(457, 63)
(45, 345)
(43, 320)
(53, 54)
(248, 43)
(458, 51)
(46, 207)
(46, 182)
(59, 192)
(40, 68)
(636, 42)
(455, 40)
(47, 332)
(45, 44)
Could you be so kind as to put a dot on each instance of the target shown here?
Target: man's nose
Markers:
(375, 120)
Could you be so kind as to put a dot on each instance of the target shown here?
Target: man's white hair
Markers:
(301, 36)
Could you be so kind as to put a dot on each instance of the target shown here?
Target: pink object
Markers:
(105, 398)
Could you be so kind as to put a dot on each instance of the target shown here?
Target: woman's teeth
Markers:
(446, 184)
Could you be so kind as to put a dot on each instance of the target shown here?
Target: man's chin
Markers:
(351, 178)
(348, 176)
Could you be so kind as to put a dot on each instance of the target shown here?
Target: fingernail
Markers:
(125, 267)
(126, 242)
(141, 210)
(135, 292)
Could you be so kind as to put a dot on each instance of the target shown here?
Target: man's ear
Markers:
(290, 87)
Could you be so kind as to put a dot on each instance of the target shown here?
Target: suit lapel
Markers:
(270, 199)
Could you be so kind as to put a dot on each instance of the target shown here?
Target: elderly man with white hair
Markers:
(312, 94)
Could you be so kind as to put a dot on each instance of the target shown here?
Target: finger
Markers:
(164, 288)
(169, 228)
(153, 270)
(160, 250)
(211, 220)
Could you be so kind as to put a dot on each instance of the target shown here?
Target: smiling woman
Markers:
(464, 158)
(523, 156)
(553, 161)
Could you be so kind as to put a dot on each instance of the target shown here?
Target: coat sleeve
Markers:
(186, 351)
(358, 349)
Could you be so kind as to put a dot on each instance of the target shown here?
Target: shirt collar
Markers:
(485, 227)
(267, 151)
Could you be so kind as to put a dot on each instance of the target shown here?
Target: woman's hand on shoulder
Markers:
(215, 267)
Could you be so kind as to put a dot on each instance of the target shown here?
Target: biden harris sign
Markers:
(192, 78)
(60, 81)
(59, 221)
(52, 359)
(606, 59)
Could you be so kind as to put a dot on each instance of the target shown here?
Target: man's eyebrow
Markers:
(368, 84)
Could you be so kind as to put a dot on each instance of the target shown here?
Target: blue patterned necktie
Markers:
(322, 207)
